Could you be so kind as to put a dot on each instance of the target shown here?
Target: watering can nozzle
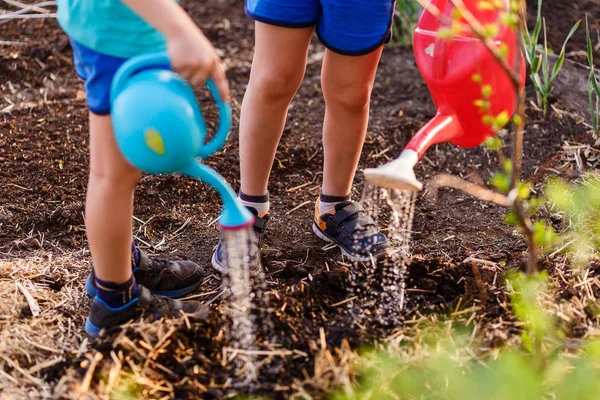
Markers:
(397, 174)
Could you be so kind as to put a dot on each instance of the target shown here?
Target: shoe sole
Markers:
(224, 270)
(92, 330)
(322, 235)
(217, 265)
(92, 292)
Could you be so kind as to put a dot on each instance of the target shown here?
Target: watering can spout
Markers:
(444, 127)
(234, 216)
(399, 174)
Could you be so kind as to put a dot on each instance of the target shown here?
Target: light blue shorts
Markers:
(349, 27)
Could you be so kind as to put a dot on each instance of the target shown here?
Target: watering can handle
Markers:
(161, 61)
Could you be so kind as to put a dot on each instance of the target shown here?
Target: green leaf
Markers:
(537, 63)
(501, 119)
(592, 100)
(595, 84)
(560, 194)
(445, 33)
(544, 235)
(493, 143)
(535, 203)
(486, 91)
(590, 48)
(511, 218)
(538, 26)
(508, 167)
(501, 181)
(517, 119)
(523, 189)
(561, 57)
(484, 105)
(557, 67)
(545, 64)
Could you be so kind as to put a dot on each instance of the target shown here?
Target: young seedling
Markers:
(593, 85)
(405, 21)
(542, 76)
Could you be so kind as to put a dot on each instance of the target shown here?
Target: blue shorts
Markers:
(97, 71)
(348, 27)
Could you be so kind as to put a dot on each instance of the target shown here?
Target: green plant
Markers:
(537, 56)
(535, 371)
(580, 205)
(593, 85)
(405, 21)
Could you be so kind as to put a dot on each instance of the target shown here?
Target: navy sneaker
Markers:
(162, 277)
(352, 230)
(258, 230)
(145, 305)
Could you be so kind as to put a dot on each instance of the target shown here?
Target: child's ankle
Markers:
(116, 294)
(259, 203)
(135, 256)
(327, 203)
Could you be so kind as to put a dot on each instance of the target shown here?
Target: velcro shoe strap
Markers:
(358, 224)
(260, 225)
(346, 212)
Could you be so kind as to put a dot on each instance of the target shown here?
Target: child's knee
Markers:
(125, 178)
(277, 85)
(351, 96)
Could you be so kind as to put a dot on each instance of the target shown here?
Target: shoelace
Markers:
(157, 264)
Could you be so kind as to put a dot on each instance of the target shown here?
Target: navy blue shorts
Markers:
(97, 71)
(349, 27)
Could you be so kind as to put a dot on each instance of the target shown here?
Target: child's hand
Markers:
(191, 53)
(194, 58)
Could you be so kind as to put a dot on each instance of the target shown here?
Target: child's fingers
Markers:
(198, 77)
(218, 76)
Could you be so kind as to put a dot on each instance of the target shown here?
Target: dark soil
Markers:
(560, 17)
(43, 176)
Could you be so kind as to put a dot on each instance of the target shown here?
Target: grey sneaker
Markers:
(258, 233)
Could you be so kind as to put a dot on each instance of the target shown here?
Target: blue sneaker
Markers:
(254, 265)
(145, 305)
(162, 277)
(352, 230)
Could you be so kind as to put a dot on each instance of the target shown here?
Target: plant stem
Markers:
(517, 149)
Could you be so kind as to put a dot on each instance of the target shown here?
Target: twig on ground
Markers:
(33, 304)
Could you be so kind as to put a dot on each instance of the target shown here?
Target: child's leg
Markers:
(277, 71)
(109, 203)
(347, 82)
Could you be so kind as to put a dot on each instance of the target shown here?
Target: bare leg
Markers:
(277, 71)
(347, 83)
(109, 203)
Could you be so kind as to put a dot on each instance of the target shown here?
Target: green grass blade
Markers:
(545, 64)
(595, 84)
(571, 33)
(535, 65)
(561, 57)
(538, 23)
(590, 48)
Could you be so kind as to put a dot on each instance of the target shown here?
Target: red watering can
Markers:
(456, 70)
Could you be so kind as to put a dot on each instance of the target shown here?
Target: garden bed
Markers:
(311, 344)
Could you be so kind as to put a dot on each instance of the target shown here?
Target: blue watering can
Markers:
(159, 128)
